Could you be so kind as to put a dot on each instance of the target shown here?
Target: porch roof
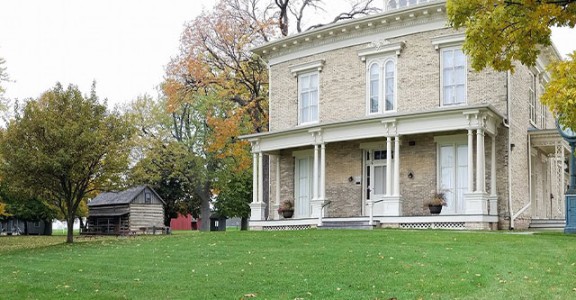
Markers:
(547, 140)
(394, 124)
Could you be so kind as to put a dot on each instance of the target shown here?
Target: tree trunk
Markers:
(70, 234)
(205, 214)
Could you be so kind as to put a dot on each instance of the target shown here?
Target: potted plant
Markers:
(286, 209)
(438, 200)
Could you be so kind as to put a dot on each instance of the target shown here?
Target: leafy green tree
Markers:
(170, 168)
(63, 147)
(500, 32)
(20, 206)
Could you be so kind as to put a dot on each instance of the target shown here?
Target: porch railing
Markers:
(371, 209)
(326, 203)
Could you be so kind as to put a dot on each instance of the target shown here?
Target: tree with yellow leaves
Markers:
(501, 32)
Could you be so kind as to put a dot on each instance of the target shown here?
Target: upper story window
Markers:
(147, 198)
(308, 98)
(532, 100)
(381, 86)
(453, 76)
(543, 111)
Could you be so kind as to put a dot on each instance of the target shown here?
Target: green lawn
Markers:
(313, 264)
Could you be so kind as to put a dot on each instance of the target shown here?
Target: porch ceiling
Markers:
(396, 124)
(546, 140)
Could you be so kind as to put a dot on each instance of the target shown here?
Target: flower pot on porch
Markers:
(287, 213)
(435, 209)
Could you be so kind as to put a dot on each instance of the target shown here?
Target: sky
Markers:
(124, 45)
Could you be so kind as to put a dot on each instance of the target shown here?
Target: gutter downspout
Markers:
(506, 124)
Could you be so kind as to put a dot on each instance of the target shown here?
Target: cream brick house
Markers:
(369, 117)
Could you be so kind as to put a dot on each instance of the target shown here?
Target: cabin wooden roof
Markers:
(123, 197)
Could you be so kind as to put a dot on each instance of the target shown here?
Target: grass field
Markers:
(313, 264)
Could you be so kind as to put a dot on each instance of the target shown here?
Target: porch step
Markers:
(551, 224)
(349, 225)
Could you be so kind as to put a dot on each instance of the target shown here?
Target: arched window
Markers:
(390, 83)
(391, 4)
(381, 86)
(374, 88)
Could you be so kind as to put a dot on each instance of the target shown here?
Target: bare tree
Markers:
(297, 8)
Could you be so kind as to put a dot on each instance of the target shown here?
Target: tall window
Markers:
(543, 110)
(453, 62)
(532, 98)
(374, 88)
(147, 198)
(381, 86)
(308, 98)
(390, 85)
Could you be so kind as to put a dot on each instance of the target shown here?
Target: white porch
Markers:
(463, 222)
(473, 123)
(548, 157)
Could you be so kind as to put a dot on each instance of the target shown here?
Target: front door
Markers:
(375, 178)
(453, 176)
(303, 181)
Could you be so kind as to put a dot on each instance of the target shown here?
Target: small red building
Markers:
(184, 223)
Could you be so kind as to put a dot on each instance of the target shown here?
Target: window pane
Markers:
(304, 82)
(459, 58)
(304, 100)
(447, 59)
(390, 88)
(391, 4)
(460, 75)
(448, 80)
(379, 180)
(460, 94)
(374, 71)
(448, 97)
(314, 81)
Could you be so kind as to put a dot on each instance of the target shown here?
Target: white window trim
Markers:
(381, 49)
(441, 50)
(307, 67)
(451, 40)
(381, 92)
(300, 123)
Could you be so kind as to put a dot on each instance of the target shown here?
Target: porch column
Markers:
(493, 199)
(493, 168)
(276, 216)
(315, 175)
(397, 166)
(322, 197)
(480, 188)
(477, 201)
(470, 161)
(257, 206)
(254, 177)
(388, 165)
(323, 172)
(260, 178)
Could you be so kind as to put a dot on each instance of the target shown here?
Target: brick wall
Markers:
(343, 83)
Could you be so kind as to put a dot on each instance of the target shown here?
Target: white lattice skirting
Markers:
(434, 225)
(286, 227)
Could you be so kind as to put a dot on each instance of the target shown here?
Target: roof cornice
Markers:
(353, 27)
